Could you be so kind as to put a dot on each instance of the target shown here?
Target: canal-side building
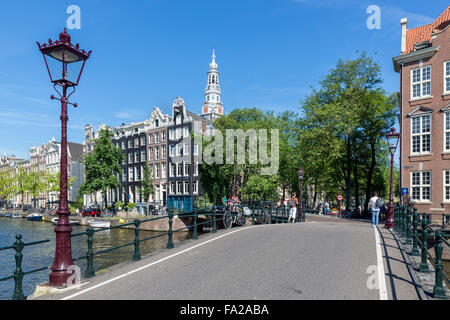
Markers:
(10, 164)
(424, 68)
(183, 159)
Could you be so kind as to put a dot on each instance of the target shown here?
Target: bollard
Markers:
(214, 226)
(18, 274)
(424, 262)
(137, 254)
(408, 226)
(438, 289)
(169, 242)
(415, 249)
(89, 273)
(194, 235)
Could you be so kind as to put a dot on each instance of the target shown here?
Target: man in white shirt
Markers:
(375, 204)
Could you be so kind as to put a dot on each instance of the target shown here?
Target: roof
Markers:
(76, 150)
(423, 33)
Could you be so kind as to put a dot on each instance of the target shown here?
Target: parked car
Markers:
(92, 212)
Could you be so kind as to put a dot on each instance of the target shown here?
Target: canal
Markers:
(41, 255)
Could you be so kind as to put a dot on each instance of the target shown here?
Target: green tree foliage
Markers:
(146, 188)
(102, 165)
(8, 187)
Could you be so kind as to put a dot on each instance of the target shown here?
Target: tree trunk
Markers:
(348, 174)
(355, 176)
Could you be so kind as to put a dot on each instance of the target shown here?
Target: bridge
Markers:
(316, 258)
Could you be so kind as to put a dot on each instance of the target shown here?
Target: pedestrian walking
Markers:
(375, 204)
(319, 207)
(326, 208)
(293, 202)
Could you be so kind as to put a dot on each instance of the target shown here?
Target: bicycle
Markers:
(264, 216)
(235, 214)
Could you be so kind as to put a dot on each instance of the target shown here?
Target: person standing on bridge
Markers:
(375, 204)
(293, 202)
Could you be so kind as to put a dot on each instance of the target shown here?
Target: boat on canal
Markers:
(72, 222)
(99, 224)
(16, 215)
(35, 217)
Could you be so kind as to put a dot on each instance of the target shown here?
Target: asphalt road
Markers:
(283, 261)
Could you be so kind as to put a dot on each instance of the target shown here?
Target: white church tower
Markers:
(212, 106)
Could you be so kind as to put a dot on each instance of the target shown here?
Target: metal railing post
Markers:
(89, 273)
(403, 234)
(408, 226)
(18, 273)
(438, 289)
(415, 249)
(194, 235)
(424, 248)
(137, 254)
(170, 242)
(214, 226)
(396, 218)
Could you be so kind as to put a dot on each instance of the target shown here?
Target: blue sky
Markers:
(146, 53)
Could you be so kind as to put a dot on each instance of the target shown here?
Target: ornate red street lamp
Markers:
(300, 207)
(392, 138)
(65, 70)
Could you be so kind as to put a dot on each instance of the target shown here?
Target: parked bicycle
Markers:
(235, 214)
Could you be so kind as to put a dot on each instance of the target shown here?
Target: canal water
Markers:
(41, 255)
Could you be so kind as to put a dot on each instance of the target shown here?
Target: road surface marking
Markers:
(149, 265)
(381, 277)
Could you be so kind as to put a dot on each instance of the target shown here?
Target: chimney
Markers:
(403, 22)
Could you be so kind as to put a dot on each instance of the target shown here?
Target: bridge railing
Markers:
(406, 224)
(215, 215)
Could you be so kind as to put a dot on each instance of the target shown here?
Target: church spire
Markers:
(212, 104)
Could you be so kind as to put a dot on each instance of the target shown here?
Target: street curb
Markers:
(411, 270)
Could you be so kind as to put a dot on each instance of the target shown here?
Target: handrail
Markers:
(407, 229)
(217, 213)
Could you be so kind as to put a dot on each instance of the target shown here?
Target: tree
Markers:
(102, 165)
(8, 187)
(35, 184)
(146, 188)
(344, 124)
(21, 182)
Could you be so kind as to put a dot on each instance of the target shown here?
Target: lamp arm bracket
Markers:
(54, 87)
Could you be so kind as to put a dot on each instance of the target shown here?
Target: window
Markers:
(157, 171)
(179, 150)
(195, 187)
(150, 138)
(150, 153)
(178, 133)
(163, 136)
(136, 142)
(421, 134)
(163, 170)
(179, 169)
(136, 156)
(171, 134)
(447, 131)
(172, 150)
(142, 140)
(186, 187)
(157, 153)
(421, 185)
(130, 143)
(178, 119)
(179, 187)
(130, 174)
(195, 169)
(130, 157)
(195, 149)
(172, 170)
(171, 188)
(186, 132)
(156, 137)
(186, 169)
(186, 149)
(123, 145)
(137, 173)
(446, 185)
(163, 151)
(421, 82)
(143, 155)
(447, 77)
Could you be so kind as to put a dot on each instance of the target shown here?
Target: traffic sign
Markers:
(405, 191)
(340, 197)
